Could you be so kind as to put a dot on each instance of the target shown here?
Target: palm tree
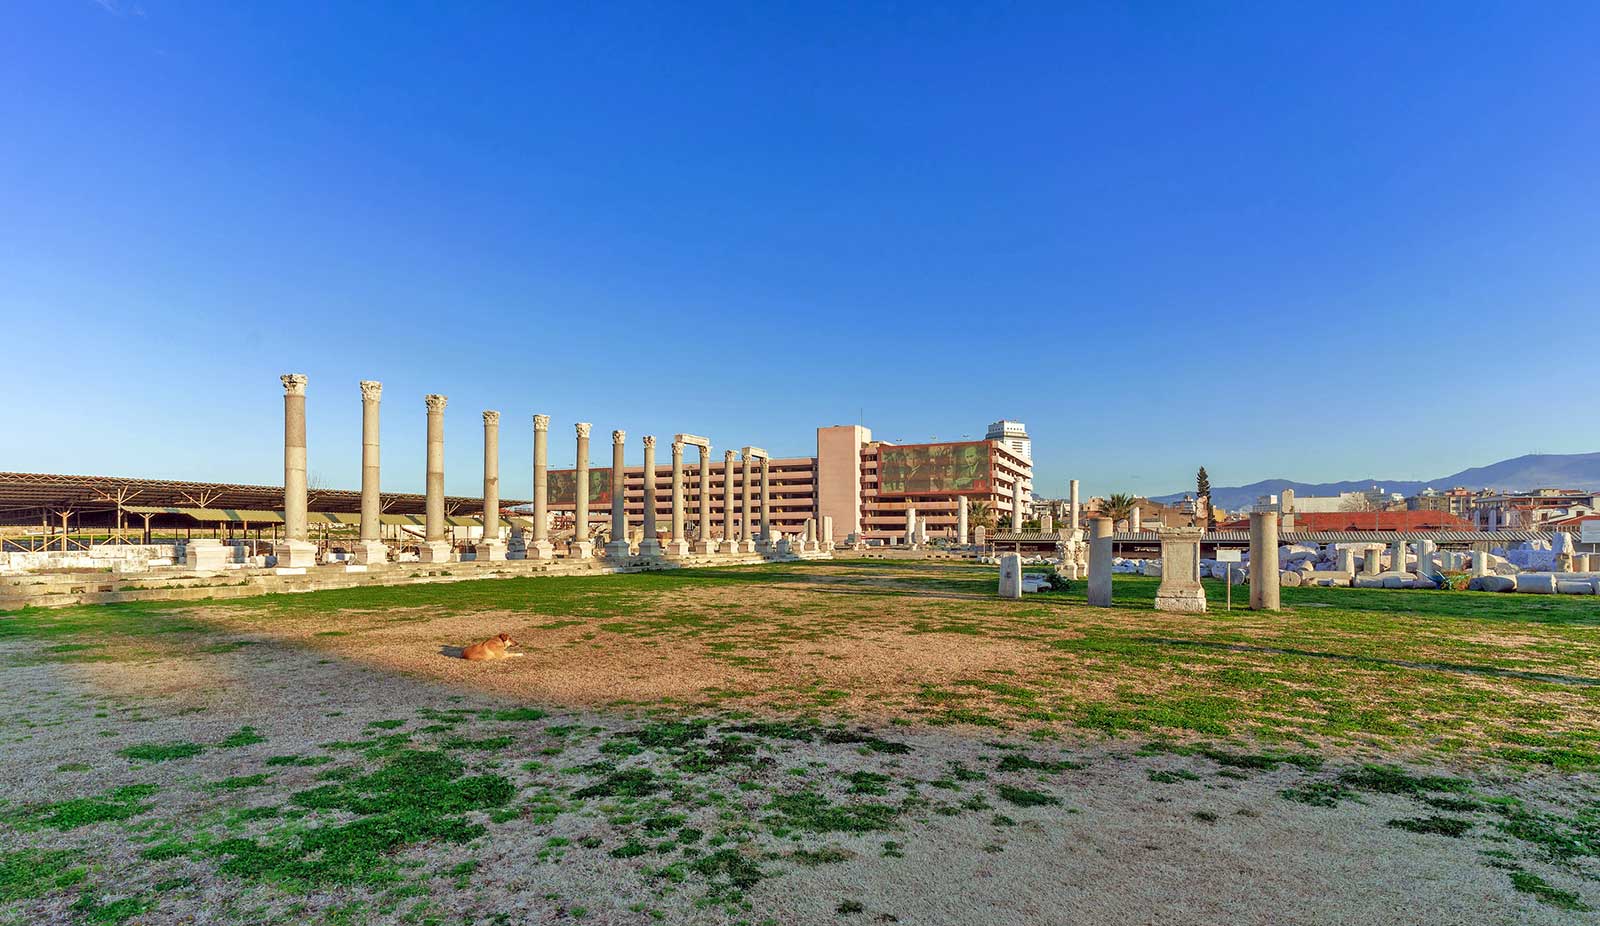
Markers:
(1118, 507)
(978, 512)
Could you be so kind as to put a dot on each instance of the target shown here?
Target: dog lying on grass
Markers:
(493, 648)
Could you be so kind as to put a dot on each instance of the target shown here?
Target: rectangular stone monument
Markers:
(1100, 562)
(1011, 575)
(206, 553)
(1180, 588)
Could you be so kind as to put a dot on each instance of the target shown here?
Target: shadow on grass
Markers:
(1485, 671)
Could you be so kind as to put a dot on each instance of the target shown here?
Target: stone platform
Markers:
(53, 590)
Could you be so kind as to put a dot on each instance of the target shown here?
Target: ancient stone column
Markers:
(1480, 563)
(1347, 561)
(1370, 565)
(1016, 506)
(370, 550)
(1180, 588)
(490, 547)
(1047, 524)
(1136, 520)
(581, 547)
(911, 528)
(618, 548)
(1072, 503)
(678, 546)
(705, 546)
(1100, 562)
(1425, 563)
(766, 506)
(294, 551)
(1397, 556)
(1264, 560)
(728, 545)
(747, 534)
(961, 521)
(1494, 520)
(651, 545)
(541, 548)
(1011, 575)
(435, 548)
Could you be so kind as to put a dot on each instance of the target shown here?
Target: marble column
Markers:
(435, 548)
(1370, 564)
(911, 528)
(766, 506)
(1016, 506)
(678, 545)
(1397, 556)
(747, 535)
(618, 548)
(1100, 562)
(651, 544)
(1494, 520)
(295, 550)
(581, 547)
(490, 547)
(705, 546)
(370, 549)
(1264, 578)
(1072, 505)
(728, 544)
(541, 548)
(1480, 563)
(961, 520)
(1136, 521)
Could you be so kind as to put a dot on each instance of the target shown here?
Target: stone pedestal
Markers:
(785, 548)
(747, 545)
(1347, 561)
(729, 547)
(706, 547)
(1011, 575)
(490, 551)
(619, 550)
(580, 549)
(676, 549)
(1372, 564)
(766, 547)
(541, 549)
(295, 554)
(435, 551)
(650, 548)
(371, 553)
(206, 553)
(1180, 588)
(1397, 556)
(1480, 563)
(1100, 562)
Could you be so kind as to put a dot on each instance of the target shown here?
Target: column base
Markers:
(748, 545)
(728, 547)
(619, 550)
(785, 548)
(580, 549)
(705, 547)
(490, 551)
(206, 553)
(371, 552)
(1188, 600)
(676, 549)
(435, 551)
(541, 549)
(650, 548)
(765, 547)
(295, 554)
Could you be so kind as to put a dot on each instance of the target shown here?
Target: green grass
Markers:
(1529, 883)
(34, 872)
(114, 806)
(161, 752)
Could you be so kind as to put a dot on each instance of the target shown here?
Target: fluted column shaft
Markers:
(619, 509)
(705, 494)
(650, 489)
(433, 519)
(541, 477)
(371, 505)
(766, 501)
(727, 495)
(580, 513)
(677, 491)
(491, 476)
(1072, 503)
(294, 456)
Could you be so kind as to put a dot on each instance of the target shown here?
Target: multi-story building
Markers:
(1530, 510)
(865, 486)
(1014, 434)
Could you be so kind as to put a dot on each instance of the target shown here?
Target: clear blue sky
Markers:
(746, 220)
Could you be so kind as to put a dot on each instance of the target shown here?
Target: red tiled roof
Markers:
(1368, 521)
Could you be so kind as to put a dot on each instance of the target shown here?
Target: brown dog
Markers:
(492, 648)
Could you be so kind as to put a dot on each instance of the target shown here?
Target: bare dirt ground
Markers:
(834, 748)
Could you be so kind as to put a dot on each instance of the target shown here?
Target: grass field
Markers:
(858, 741)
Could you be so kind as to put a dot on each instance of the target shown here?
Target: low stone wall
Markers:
(182, 585)
(106, 557)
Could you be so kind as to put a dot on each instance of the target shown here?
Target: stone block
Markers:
(206, 554)
(1492, 583)
(294, 554)
(368, 552)
(1568, 586)
(1289, 578)
(490, 551)
(1010, 576)
(1537, 583)
(619, 551)
(435, 551)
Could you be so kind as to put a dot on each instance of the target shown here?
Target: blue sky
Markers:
(746, 220)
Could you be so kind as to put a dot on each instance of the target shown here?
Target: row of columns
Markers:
(296, 550)
(1264, 581)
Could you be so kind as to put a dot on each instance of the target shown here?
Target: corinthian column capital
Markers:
(491, 418)
(583, 428)
(541, 422)
(293, 383)
(435, 402)
(619, 437)
(371, 390)
(649, 440)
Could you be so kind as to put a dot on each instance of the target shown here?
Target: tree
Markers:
(1202, 498)
(978, 512)
(1357, 502)
(1118, 507)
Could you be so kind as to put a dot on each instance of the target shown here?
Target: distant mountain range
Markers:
(1536, 470)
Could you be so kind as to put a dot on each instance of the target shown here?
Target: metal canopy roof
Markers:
(262, 516)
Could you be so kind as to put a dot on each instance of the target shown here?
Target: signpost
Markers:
(1229, 556)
